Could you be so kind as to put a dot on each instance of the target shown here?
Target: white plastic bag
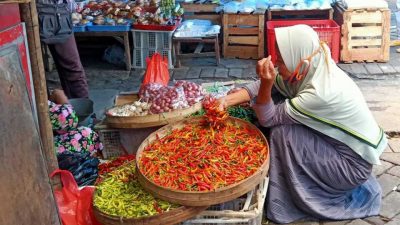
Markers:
(231, 7)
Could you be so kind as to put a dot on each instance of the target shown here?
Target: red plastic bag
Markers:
(74, 205)
(157, 70)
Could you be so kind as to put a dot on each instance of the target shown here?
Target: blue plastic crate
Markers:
(80, 28)
(126, 27)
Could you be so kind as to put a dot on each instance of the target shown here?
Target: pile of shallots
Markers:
(168, 98)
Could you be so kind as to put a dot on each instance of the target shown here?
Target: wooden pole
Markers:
(30, 17)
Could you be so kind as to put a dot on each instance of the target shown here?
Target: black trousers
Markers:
(70, 69)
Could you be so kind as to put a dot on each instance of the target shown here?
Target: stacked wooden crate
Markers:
(365, 34)
(204, 11)
(244, 35)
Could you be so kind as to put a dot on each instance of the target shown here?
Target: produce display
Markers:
(136, 108)
(194, 93)
(238, 111)
(168, 98)
(107, 167)
(104, 13)
(144, 12)
(204, 156)
(120, 194)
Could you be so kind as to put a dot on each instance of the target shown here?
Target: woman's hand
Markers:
(234, 97)
(58, 96)
(223, 104)
(265, 70)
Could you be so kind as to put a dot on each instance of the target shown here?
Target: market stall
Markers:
(170, 154)
(117, 18)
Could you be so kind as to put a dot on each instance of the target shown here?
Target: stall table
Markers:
(200, 45)
(121, 36)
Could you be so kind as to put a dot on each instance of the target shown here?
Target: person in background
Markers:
(67, 135)
(69, 67)
(323, 138)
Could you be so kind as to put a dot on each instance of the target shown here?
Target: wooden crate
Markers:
(313, 14)
(243, 36)
(365, 34)
(204, 11)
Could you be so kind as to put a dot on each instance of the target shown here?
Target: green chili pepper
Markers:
(120, 194)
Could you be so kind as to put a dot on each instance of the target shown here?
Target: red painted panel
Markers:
(15, 35)
(9, 15)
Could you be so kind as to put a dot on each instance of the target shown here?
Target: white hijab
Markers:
(326, 99)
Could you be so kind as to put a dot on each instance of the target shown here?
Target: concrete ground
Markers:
(379, 82)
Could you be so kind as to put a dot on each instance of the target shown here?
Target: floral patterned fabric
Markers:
(67, 135)
(63, 118)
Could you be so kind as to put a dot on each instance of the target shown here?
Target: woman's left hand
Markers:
(265, 70)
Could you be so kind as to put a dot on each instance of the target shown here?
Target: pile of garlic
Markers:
(136, 108)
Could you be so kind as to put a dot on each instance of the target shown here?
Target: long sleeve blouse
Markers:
(268, 114)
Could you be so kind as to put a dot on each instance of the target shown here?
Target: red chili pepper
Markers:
(199, 157)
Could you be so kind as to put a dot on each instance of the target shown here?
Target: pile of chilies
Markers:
(107, 167)
(120, 194)
(204, 156)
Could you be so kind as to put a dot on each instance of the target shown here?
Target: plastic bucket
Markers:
(83, 108)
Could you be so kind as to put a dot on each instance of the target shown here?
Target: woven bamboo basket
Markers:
(193, 198)
(173, 216)
(149, 120)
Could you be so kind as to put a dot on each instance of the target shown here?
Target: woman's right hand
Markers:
(265, 70)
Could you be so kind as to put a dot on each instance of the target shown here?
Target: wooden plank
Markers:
(365, 17)
(197, 55)
(215, 18)
(367, 31)
(242, 52)
(386, 35)
(344, 53)
(364, 42)
(241, 19)
(29, 16)
(364, 54)
(25, 188)
(225, 19)
(243, 31)
(367, 54)
(14, 1)
(190, 7)
(244, 40)
(261, 41)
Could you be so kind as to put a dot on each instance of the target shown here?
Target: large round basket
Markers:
(204, 198)
(149, 120)
(173, 216)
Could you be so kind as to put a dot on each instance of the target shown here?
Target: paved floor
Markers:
(382, 94)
